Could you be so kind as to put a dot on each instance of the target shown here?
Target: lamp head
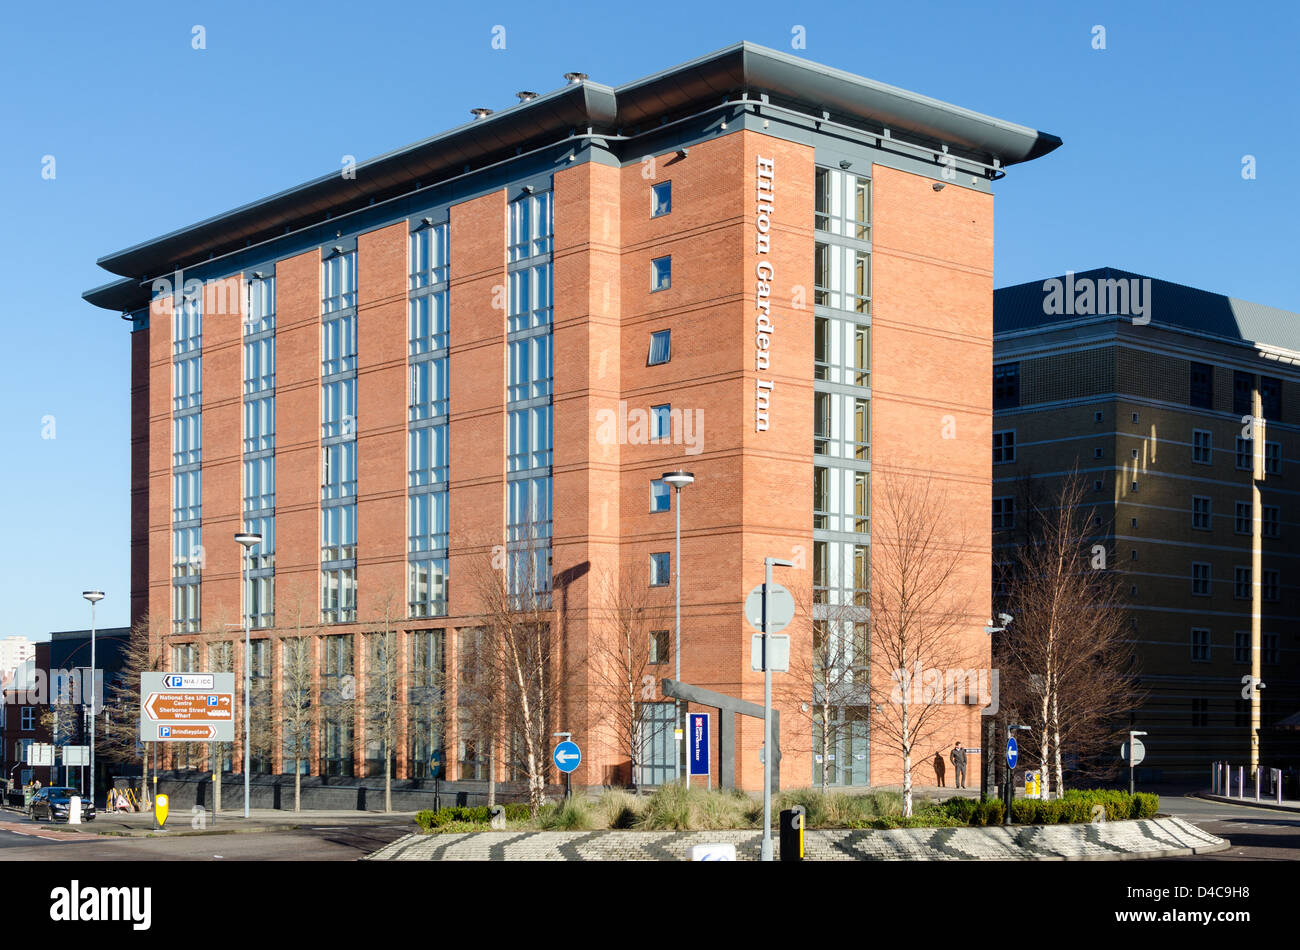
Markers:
(94, 596)
(679, 479)
(248, 540)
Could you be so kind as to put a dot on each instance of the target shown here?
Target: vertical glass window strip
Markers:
(429, 389)
(861, 356)
(428, 323)
(261, 306)
(339, 344)
(862, 429)
(429, 255)
(821, 347)
(428, 457)
(861, 208)
(339, 282)
(861, 502)
(339, 470)
(428, 522)
(338, 533)
(187, 383)
(821, 496)
(822, 199)
(339, 408)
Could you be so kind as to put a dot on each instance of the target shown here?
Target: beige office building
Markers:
(1143, 385)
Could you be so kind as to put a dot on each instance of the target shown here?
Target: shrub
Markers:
(572, 814)
(476, 815)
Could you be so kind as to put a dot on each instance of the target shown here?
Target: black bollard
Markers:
(792, 827)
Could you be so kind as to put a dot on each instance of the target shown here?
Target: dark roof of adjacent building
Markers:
(1020, 309)
(572, 110)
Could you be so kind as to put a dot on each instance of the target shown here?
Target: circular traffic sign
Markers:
(1013, 752)
(567, 756)
(1139, 752)
(780, 608)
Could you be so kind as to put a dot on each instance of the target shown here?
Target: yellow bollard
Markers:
(160, 809)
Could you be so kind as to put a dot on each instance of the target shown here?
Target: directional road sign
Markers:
(1013, 752)
(187, 707)
(780, 608)
(567, 756)
(1139, 752)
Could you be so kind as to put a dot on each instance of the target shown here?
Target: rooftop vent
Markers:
(480, 113)
(525, 95)
(572, 78)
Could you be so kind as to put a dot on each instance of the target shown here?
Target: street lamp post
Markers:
(94, 596)
(248, 541)
(678, 480)
(989, 739)
(765, 850)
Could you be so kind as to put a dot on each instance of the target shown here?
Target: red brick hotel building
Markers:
(765, 271)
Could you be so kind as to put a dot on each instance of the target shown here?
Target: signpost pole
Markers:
(768, 757)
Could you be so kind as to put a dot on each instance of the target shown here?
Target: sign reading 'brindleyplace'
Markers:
(763, 291)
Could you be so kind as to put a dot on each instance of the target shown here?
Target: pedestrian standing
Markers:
(958, 757)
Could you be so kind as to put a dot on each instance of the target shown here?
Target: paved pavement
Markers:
(140, 824)
(1120, 840)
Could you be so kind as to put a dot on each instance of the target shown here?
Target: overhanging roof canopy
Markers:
(743, 68)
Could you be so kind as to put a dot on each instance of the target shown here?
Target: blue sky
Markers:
(149, 134)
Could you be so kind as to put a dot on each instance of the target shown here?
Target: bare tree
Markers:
(297, 671)
(382, 705)
(826, 684)
(920, 612)
(513, 688)
(119, 739)
(629, 641)
(1069, 666)
(221, 656)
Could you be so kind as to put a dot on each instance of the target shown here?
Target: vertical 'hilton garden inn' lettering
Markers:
(764, 271)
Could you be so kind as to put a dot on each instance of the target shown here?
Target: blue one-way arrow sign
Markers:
(567, 756)
(1013, 752)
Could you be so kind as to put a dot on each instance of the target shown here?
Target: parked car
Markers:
(53, 803)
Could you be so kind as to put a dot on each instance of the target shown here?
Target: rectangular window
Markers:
(862, 502)
(821, 496)
(429, 255)
(428, 522)
(1273, 458)
(429, 387)
(1004, 446)
(661, 422)
(428, 323)
(187, 324)
(821, 347)
(1270, 397)
(339, 344)
(1200, 713)
(528, 509)
(1268, 648)
(1200, 645)
(259, 423)
(660, 495)
(820, 571)
(1006, 386)
(1244, 454)
(187, 439)
(28, 718)
(1272, 525)
(1202, 395)
(661, 198)
(339, 282)
(261, 305)
(861, 574)
(1272, 589)
(862, 429)
(860, 294)
(861, 209)
(531, 226)
(425, 699)
(1201, 512)
(531, 298)
(339, 408)
(661, 273)
(1241, 583)
(339, 470)
(259, 484)
(1241, 519)
(530, 436)
(531, 369)
(1243, 393)
(661, 350)
(821, 423)
(660, 646)
(821, 273)
(338, 533)
(861, 356)
(1004, 513)
(1241, 647)
(259, 365)
(187, 383)
(338, 595)
(338, 679)
(822, 199)
(259, 596)
(1202, 446)
(1201, 579)
(660, 565)
(428, 594)
(428, 455)
(187, 496)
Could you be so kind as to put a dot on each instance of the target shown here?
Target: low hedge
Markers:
(428, 819)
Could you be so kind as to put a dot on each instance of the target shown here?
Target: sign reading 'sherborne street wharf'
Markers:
(187, 707)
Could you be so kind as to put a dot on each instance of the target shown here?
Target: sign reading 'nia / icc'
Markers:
(187, 707)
